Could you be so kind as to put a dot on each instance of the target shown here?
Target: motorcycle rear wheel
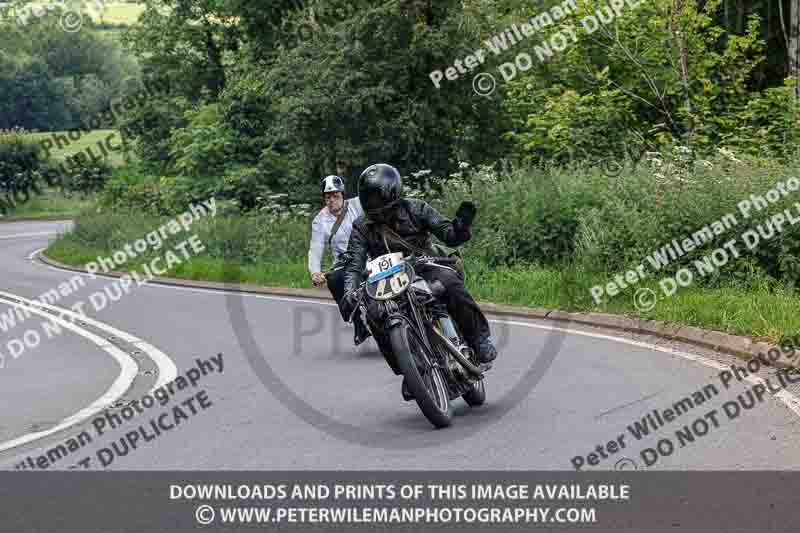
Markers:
(426, 383)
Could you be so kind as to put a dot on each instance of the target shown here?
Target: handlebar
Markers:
(443, 260)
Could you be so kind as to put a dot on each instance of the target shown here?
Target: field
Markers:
(87, 141)
(118, 13)
(51, 204)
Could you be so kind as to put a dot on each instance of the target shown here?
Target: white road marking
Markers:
(167, 371)
(21, 235)
(128, 371)
(787, 398)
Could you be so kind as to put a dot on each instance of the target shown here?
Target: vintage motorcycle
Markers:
(428, 348)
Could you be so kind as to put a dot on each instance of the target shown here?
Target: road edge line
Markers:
(128, 372)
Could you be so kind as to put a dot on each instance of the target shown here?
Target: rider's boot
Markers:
(361, 331)
(485, 351)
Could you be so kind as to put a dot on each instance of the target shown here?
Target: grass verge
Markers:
(760, 311)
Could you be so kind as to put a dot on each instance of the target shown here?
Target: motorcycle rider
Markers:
(332, 227)
(389, 216)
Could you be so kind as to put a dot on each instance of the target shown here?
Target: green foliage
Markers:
(526, 216)
(266, 112)
(149, 126)
(204, 147)
(132, 189)
(51, 79)
(567, 126)
(260, 239)
(83, 176)
(21, 168)
(179, 192)
(662, 74)
(769, 125)
(355, 95)
(646, 210)
(584, 220)
(31, 96)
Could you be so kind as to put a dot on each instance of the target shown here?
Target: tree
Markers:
(352, 94)
(32, 97)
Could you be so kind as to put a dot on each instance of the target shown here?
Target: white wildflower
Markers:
(728, 154)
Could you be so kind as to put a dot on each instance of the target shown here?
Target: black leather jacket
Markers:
(414, 221)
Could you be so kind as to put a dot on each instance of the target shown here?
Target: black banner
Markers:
(110, 502)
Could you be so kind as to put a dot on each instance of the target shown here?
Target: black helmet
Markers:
(332, 184)
(379, 187)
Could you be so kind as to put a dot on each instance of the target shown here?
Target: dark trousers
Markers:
(336, 286)
(461, 306)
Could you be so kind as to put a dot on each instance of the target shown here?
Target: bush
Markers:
(261, 239)
(178, 193)
(132, 189)
(579, 220)
(645, 210)
(150, 125)
(527, 216)
(582, 218)
(79, 174)
(204, 147)
(22, 166)
(769, 125)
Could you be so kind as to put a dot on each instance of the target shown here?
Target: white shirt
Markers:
(321, 231)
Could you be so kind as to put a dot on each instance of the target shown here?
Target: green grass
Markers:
(51, 204)
(87, 141)
(760, 313)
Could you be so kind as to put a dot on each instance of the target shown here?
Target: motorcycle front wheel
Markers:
(425, 381)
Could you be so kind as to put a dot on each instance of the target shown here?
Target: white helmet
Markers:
(332, 184)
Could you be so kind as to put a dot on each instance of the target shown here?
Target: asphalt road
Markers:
(295, 394)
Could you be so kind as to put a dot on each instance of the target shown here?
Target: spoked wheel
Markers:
(425, 381)
(476, 395)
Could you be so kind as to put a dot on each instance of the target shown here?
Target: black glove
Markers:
(466, 213)
(348, 304)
